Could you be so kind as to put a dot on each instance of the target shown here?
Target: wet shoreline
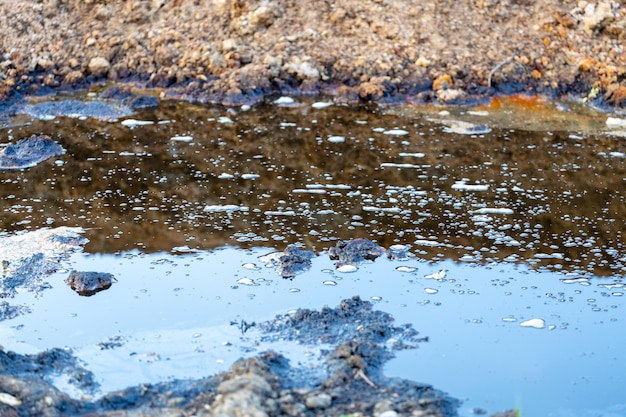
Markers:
(238, 53)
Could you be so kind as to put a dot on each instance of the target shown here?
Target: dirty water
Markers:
(512, 230)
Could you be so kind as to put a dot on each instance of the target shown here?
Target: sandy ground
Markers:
(237, 51)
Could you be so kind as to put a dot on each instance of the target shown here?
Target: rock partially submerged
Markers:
(27, 153)
(293, 261)
(290, 262)
(88, 283)
(355, 251)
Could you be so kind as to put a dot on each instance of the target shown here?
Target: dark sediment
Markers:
(350, 378)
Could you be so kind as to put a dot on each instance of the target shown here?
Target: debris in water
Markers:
(89, 283)
(352, 252)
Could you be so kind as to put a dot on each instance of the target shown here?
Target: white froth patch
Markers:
(463, 186)
(395, 165)
(309, 190)
(614, 122)
(225, 176)
(412, 154)
(382, 209)
(534, 323)
(437, 275)
(492, 210)
(246, 281)
(134, 123)
(336, 139)
(424, 242)
(220, 208)
(284, 101)
(321, 104)
(181, 138)
(250, 176)
(395, 132)
(224, 120)
(347, 268)
(280, 213)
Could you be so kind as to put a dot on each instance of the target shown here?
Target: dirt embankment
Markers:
(238, 51)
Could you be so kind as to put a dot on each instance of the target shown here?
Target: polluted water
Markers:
(497, 232)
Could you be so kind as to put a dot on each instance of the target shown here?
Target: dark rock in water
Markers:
(293, 261)
(89, 283)
(75, 108)
(28, 152)
(352, 252)
(124, 95)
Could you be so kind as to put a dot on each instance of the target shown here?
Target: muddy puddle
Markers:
(509, 219)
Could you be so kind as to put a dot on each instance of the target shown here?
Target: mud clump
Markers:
(355, 251)
(29, 152)
(293, 261)
(89, 283)
(349, 380)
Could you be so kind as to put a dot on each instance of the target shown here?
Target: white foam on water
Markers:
(396, 132)
(336, 139)
(321, 104)
(438, 276)
(463, 186)
(134, 123)
(224, 120)
(284, 100)
(345, 269)
(217, 208)
(181, 138)
(492, 210)
(534, 323)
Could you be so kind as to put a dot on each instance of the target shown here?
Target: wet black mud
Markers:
(349, 378)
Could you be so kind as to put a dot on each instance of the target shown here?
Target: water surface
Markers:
(513, 223)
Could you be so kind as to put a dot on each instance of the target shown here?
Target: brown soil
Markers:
(239, 51)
